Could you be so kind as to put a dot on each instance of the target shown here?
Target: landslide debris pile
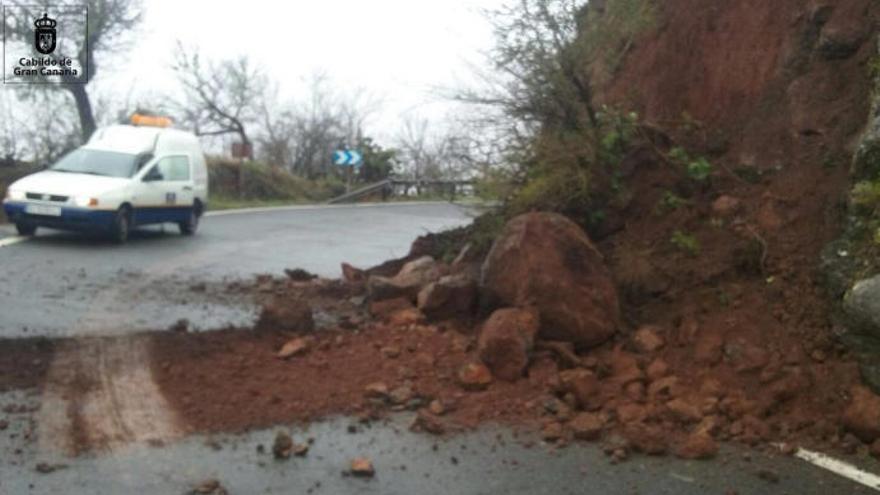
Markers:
(693, 314)
(532, 336)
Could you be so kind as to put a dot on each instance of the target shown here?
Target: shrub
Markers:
(697, 168)
(686, 243)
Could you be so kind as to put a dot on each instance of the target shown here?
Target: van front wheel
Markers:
(26, 229)
(190, 226)
(121, 226)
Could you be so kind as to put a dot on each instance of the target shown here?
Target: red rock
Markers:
(649, 440)
(406, 317)
(664, 388)
(635, 391)
(376, 390)
(552, 431)
(453, 296)
(407, 283)
(546, 261)
(437, 408)
(698, 445)
(631, 413)
(428, 422)
(647, 339)
(390, 352)
(474, 376)
(625, 368)
(352, 274)
(708, 348)
(725, 206)
(587, 426)
(684, 411)
(751, 358)
(281, 315)
(657, 369)
(768, 218)
(506, 342)
(584, 386)
(862, 416)
(294, 347)
(385, 308)
(363, 467)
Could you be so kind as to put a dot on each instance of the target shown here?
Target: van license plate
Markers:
(46, 210)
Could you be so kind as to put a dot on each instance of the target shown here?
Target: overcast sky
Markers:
(397, 50)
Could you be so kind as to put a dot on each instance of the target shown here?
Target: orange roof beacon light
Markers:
(150, 121)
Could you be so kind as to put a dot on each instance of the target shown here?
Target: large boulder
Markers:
(862, 307)
(546, 261)
(451, 296)
(506, 342)
(411, 278)
(862, 417)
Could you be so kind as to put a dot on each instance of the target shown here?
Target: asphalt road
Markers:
(67, 284)
(62, 284)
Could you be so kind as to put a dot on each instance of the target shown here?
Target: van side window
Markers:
(174, 168)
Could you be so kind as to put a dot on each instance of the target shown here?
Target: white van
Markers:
(125, 176)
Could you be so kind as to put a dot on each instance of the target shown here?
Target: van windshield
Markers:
(98, 162)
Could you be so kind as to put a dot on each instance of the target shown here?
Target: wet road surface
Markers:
(67, 284)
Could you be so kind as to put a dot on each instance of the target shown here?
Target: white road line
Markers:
(12, 240)
(840, 468)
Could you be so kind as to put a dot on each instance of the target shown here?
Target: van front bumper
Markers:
(71, 218)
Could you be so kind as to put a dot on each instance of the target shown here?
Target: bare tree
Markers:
(220, 97)
(110, 23)
(302, 135)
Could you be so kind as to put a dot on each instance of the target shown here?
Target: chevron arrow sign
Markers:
(347, 158)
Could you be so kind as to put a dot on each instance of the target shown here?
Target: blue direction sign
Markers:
(348, 158)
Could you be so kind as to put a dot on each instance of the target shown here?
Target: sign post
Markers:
(242, 151)
(350, 159)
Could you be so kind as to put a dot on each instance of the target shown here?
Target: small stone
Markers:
(552, 431)
(376, 390)
(699, 445)
(684, 411)
(390, 352)
(294, 347)
(474, 376)
(647, 339)
(46, 468)
(362, 467)
(437, 408)
(657, 369)
(283, 445)
(209, 487)
(428, 422)
(401, 395)
(587, 426)
(725, 206)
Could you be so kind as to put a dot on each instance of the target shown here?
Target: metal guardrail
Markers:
(378, 187)
(389, 187)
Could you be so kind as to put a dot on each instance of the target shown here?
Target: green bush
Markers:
(262, 182)
(698, 169)
(686, 243)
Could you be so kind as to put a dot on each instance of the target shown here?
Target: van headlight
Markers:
(85, 201)
(15, 195)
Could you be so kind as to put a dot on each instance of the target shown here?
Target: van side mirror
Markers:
(153, 175)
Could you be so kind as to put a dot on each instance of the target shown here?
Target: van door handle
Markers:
(187, 188)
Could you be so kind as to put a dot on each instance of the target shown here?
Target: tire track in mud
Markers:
(100, 395)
